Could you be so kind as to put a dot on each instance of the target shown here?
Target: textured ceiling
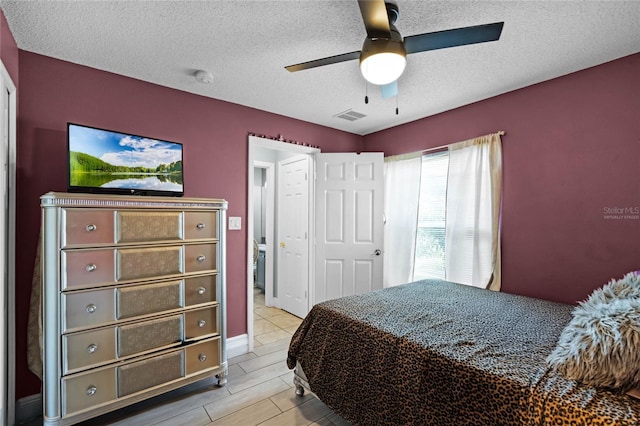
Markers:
(246, 44)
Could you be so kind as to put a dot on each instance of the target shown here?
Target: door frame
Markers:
(8, 286)
(260, 142)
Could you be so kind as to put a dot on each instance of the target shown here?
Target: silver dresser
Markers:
(133, 299)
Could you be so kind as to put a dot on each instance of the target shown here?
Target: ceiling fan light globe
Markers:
(382, 60)
(383, 68)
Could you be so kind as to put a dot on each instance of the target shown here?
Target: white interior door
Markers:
(293, 242)
(349, 224)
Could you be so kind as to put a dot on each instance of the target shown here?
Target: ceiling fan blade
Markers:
(324, 61)
(451, 38)
(374, 15)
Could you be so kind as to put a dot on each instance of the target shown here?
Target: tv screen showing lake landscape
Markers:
(119, 163)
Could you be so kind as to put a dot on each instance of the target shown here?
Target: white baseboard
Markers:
(237, 345)
(28, 408)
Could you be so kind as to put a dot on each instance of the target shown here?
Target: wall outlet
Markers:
(235, 223)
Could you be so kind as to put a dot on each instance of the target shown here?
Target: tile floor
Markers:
(271, 324)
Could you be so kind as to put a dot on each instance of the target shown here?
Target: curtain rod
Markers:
(442, 147)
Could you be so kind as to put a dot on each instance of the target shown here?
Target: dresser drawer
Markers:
(151, 262)
(91, 268)
(203, 355)
(84, 309)
(200, 257)
(88, 308)
(87, 268)
(87, 227)
(199, 290)
(200, 225)
(200, 323)
(150, 372)
(153, 334)
(87, 390)
(88, 349)
(148, 299)
(143, 226)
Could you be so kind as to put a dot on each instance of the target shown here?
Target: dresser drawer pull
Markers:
(91, 390)
(201, 258)
(202, 323)
(91, 308)
(201, 290)
(91, 227)
(92, 348)
(91, 267)
(200, 226)
(202, 357)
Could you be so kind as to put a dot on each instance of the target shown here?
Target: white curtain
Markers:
(472, 237)
(401, 196)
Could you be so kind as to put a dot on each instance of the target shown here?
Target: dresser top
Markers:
(64, 199)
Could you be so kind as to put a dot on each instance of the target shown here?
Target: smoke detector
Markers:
(204, 77)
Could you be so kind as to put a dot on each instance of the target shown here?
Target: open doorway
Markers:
(263, 194)
(266, 158)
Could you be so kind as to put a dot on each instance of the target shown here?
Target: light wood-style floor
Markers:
(259, 390)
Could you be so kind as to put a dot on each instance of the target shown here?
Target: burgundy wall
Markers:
(8, 49)
(214, 134)
(571, 150)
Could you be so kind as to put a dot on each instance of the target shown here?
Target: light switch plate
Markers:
(235, 223)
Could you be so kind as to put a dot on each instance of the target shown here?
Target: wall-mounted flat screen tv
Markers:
(104, 161)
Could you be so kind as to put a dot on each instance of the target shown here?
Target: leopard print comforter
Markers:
(439, 353)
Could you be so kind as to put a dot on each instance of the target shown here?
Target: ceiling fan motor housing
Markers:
(371, 46)
(393, 44)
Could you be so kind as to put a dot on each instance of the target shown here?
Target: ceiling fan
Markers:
(383, 54)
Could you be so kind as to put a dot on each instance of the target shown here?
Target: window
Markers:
(429, 259)
(443, 214)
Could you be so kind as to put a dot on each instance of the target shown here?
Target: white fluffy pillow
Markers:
(628, 286)
(601, 344)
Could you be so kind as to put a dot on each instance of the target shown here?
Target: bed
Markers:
(438, 353)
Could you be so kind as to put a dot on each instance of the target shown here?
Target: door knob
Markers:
(377, 252)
